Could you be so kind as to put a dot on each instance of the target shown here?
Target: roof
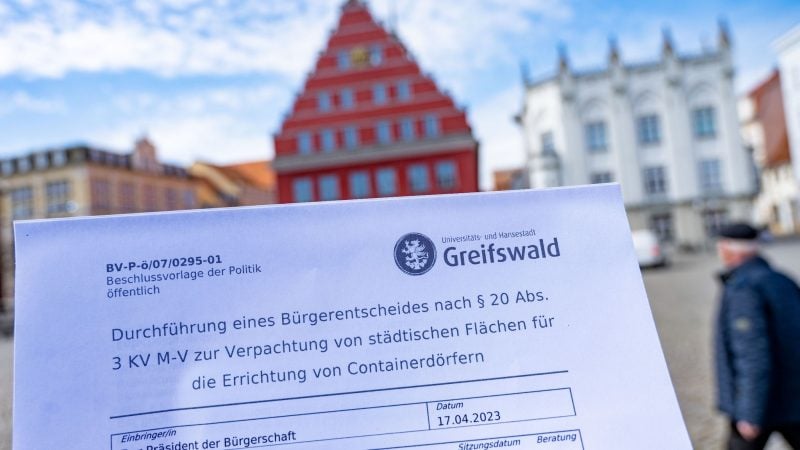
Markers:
(255, 173)
(768, 105)
(642, 66)
(507, 179)
(768, 100)
(787, 40)
(55, 157)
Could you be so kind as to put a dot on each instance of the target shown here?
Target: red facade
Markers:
(369, 123)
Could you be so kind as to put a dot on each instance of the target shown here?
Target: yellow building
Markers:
(83, 181)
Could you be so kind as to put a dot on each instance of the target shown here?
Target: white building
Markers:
(666, 130)
(788, 48)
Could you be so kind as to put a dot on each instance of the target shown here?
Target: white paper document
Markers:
(461, 322)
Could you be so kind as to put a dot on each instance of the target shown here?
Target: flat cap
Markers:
(740, 230)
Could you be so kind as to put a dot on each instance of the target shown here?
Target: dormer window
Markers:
(40, 160)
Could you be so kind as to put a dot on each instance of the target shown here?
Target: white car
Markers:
(649, 251)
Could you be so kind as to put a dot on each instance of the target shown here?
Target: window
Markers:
(384, 132)
(346, 98)
(324, 101)
(351, 137)
(379, 94)
(171, 197)
(343, 60)
(22, 203)
(149, 198)
(57, 197)
(446, 176)
(328, 141)
(661, 224)
(127, 197)
(40, 161)
(59, 158)
(301, 189)
(7, 167)
(359, 184)
(655, 180)
(548, 144)
(403, 91)
(418, 178)
(596, 136)
(329, 187)
(23, 165)
(188, 199)
(713, 220)
(601, 177)
(101, 194)
(703, 122)
(304, 143)
(387, 182)
(519, 180)
(407, 129)
(431, 126)
(648, 130)
(710, 176)
(375, 55)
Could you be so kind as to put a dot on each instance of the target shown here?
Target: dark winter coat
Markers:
(758, 345)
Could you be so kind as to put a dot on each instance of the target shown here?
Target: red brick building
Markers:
(369, 123)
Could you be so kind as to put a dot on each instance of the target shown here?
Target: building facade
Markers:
(369, 123)
(510, 179)
(764, 132)
(666, 130)
(245, 184)
(83, 181)
(788, 48)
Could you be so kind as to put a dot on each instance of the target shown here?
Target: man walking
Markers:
(757, 344)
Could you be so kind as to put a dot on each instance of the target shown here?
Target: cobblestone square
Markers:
(683, 298)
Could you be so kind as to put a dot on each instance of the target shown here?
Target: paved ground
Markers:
(682, 297)
(683, 300)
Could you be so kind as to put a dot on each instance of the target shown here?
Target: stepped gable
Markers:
(367, 106)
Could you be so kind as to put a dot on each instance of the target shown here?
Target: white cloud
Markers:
(456, 37)
(201, 101)
(217, 125)
(22, 101)
(40, 50)
(178, 38)
(183, 140)
(27, 3)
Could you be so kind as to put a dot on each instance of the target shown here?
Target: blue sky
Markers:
(211, 79)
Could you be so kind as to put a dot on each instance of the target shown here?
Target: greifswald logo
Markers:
(414, 253)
